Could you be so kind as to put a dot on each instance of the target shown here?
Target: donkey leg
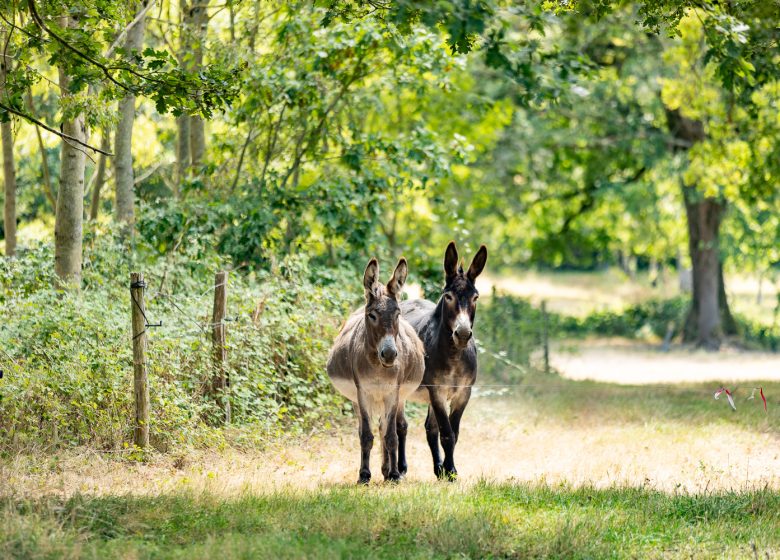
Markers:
(432, 434)
(457, 408)
(401, 427)
(385, 453)
(446, 436)
(391, 436)
(366, 437)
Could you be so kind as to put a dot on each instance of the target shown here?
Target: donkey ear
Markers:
(450, 260)
(480, 259)
(396, 283)
(371, 277)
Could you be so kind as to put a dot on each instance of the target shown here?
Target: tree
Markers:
(68, 224)
(9, 170)
(123, 142)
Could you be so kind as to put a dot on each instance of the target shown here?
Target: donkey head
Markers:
(459, 300)
(382, 310)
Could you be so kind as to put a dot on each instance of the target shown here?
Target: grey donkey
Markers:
(377, 361)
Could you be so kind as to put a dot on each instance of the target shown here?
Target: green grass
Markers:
(406, 521)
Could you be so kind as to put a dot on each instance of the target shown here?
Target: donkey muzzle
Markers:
(461, 334)
(388, 351)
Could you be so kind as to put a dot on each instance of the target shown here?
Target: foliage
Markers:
(68, 362)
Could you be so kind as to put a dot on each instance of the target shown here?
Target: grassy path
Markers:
(556, 468)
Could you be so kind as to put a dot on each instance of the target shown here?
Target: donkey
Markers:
(450, 355)
(377, 361)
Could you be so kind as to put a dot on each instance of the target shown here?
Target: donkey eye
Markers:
(475, 298)
(372, 316)
(448, 297)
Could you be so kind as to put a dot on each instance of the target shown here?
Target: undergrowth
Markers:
(67, 358)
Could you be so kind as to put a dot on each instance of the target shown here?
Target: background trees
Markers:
(569, 136)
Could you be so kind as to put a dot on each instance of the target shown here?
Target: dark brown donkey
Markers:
(450, 354)
(377, 362)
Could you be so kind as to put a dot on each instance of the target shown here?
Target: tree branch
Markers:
(39, 22)
(62, 135)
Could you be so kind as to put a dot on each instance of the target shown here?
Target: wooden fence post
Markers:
(221, 381)
(140, 378)
(546, 336)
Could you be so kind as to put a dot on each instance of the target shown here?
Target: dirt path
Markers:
(500, 440)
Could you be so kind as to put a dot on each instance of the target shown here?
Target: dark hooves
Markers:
(364, 479)
(393, 477)
(443, 473)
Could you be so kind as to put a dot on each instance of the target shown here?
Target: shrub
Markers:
(67, 358)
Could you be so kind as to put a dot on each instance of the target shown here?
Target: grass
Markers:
(418, 519)
(407, 521)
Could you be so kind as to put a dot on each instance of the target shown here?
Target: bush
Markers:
(67, 358)
(657, 315)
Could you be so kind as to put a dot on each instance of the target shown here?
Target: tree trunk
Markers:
(183, 160)
(105, 145)
(9, 171)
(70, 197)
(198, 20)
(704, 325)
(44, 159)
(9, 177)
(709, 316)
(123, 142)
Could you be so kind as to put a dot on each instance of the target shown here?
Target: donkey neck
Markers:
(441, 335)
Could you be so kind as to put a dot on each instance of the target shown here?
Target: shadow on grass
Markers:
(410, 520)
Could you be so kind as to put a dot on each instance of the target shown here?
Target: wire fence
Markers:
(521, 346)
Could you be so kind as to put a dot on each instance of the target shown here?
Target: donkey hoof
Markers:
(438, 470)
(393, 477)
(402, 469)
(365, 478)
(444, 473)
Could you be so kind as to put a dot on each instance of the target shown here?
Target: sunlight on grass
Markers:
(410, 520)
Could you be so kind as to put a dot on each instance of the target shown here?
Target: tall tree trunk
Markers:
(704, 325)
(198, 20)
(49, 191)
(68, 222)
(123, 142)
(709, 315)
(100, 179)
(183, 160)
(9, 171)
(9, 178)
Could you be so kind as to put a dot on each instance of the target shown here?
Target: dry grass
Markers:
(549, 429)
